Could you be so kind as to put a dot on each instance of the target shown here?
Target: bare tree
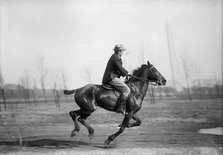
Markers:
(57, 95)
(152, 94)
(198, 90)
(27, 85)
(89, 74)
(25, 82)
(33, 90)
(43, 73)
(210, 83)
(22, 82)
(2, 90)
(187, 68)
(160, 93)
(64, 78)
(3, 96)
(217, 87)
(56, 81)
(197, 82)
(59, 81)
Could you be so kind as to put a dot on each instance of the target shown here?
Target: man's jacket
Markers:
(114, 69)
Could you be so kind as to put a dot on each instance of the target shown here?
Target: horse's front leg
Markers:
(122, 128)
(137, 123)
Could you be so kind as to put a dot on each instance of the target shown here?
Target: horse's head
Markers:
(154, 75)
(148, 73)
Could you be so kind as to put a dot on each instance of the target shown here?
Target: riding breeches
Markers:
(120, 86)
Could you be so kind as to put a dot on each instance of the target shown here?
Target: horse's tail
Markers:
(69, 92)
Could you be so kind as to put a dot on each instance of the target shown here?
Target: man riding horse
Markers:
(112, 75)
(131, 97)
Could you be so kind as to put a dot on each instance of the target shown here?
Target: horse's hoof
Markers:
(73, 133)
(91, 136)
(107, 142)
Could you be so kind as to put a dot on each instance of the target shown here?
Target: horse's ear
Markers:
(148, 63)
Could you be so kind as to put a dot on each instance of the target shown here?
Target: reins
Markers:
(138, 78)
(142, 80)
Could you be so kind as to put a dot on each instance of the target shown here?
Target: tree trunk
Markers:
(3, 97)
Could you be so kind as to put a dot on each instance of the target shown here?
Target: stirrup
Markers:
(121, 112)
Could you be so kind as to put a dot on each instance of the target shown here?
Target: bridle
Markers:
(145, 80)
(156, 73)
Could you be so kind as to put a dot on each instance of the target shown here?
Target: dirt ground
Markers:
(168, 127)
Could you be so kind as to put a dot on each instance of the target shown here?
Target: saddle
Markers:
(109, 87)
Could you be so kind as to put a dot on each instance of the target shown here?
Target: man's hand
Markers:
(128, 76)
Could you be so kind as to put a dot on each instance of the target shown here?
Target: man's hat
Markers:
(119, 47)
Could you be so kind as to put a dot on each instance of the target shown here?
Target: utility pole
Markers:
(171, 50)
(2, 91)
(1, 78)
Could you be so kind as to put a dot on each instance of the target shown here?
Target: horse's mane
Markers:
(137, 72)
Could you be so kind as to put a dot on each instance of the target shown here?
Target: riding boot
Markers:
(121, 104)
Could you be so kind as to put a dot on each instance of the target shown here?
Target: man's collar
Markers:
(118, 55)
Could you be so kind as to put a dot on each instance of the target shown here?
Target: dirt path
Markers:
(167, 128)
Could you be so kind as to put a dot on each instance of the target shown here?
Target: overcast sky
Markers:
(80, 34)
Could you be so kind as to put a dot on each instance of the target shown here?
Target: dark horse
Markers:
(91, 95)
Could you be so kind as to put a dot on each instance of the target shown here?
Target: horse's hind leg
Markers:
(82, 119)
(74, 115)
(85, 99)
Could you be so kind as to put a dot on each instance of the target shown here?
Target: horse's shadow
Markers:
(54, 144)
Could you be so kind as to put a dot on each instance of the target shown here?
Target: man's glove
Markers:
(128, 76)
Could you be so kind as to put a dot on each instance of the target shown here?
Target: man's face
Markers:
(120, 53)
